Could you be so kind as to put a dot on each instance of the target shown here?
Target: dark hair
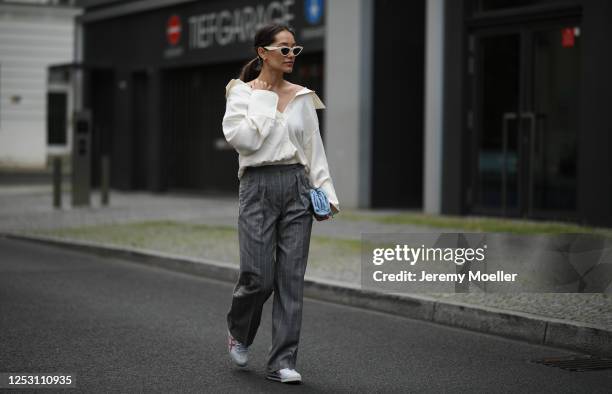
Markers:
(264, 37)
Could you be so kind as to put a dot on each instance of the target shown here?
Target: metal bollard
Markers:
(105, 180)
(57, 182)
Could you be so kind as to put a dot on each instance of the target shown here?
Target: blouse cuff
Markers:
(330, 193)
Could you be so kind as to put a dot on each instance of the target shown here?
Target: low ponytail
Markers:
(251, 70)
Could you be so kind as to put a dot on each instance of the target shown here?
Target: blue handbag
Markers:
(320, 203)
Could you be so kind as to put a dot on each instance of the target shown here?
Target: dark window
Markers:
(56, 118)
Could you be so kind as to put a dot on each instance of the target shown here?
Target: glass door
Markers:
(553, 101)
(524, 116)
(497, 95)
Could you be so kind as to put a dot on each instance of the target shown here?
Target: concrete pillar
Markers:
(434, 78)
(77, 75)
(348, 76)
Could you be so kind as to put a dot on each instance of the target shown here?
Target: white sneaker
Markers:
(285, 375)
(238, 352)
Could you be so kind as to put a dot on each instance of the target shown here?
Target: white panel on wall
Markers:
(31, 39)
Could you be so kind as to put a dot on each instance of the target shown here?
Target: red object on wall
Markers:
(173, 29)
(568, 39)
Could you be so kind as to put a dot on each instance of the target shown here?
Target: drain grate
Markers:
(577, 363)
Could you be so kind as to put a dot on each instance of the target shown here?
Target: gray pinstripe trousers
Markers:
(274, 227)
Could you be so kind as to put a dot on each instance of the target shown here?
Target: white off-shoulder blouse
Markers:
(261, 134)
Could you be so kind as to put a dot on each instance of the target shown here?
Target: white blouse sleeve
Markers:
(315, 153)
(249, 116)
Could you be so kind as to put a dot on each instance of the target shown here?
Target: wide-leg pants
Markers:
(274, 227)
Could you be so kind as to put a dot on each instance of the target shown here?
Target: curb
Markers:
(531, 328)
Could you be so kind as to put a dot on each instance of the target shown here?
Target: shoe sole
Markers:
(239, 365)
(286, 380)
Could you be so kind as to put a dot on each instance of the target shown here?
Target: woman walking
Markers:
(273, 126)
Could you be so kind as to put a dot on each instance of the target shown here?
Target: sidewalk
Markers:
(202, 228)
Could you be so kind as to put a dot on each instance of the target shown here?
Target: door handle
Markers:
(506, 117)
(532, 117)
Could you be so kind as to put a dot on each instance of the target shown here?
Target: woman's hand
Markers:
(334, 211)
(259, 84)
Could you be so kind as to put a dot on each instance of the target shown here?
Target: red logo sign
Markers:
(568, 38)
(173, 29)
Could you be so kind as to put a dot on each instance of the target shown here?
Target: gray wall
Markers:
(348, 98)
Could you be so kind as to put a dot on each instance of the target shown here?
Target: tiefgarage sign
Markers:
(228, 26)
(222, 28)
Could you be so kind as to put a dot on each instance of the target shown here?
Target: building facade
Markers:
(33, 35)
(463, 107)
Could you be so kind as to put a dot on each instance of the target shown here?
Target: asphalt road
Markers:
(125, 327)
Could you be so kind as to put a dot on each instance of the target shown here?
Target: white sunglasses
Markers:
(286, 50)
